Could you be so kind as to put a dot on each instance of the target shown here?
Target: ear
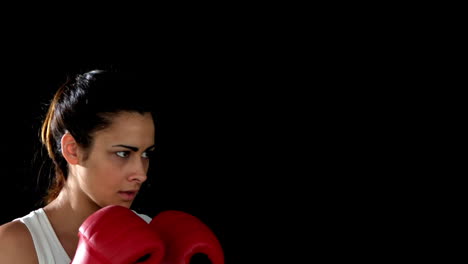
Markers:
(70, 149)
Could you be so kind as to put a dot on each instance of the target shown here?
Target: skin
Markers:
(116, 162)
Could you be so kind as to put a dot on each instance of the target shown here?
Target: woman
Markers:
(99, 133)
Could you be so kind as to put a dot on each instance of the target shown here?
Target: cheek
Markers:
(147, 164)
(105, 172)
(109, 173)
(108, 163)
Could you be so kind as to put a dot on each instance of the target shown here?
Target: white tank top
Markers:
(47, 245)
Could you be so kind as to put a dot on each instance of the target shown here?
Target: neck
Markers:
(67, 212)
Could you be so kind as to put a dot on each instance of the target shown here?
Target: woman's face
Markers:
(118, 160)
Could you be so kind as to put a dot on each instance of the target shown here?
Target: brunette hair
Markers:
(85, 104)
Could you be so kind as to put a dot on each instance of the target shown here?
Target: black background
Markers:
(216, 134)
(262, 134)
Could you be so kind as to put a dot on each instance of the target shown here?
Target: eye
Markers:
(122, 154)
(147, 154)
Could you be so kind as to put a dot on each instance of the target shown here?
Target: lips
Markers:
(127, 195)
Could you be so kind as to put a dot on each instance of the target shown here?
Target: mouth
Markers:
(128, 195)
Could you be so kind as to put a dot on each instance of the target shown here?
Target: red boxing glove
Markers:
(185, 235)
(116, 235)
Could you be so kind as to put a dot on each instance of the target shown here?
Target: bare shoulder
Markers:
(16, 244)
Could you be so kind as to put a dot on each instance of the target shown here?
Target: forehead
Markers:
(128, 128)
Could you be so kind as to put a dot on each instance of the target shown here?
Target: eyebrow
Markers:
(135, 149)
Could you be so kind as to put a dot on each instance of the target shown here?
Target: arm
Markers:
(16, 245)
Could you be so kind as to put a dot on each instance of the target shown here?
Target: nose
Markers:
(138, 171)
